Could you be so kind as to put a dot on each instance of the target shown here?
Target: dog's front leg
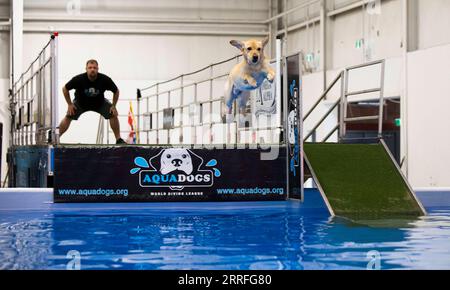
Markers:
(270, 74)
(250, 80)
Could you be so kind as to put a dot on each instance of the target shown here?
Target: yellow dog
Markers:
(248, 75)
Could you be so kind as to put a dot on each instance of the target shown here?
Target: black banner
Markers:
(294, 127)
(132, 173)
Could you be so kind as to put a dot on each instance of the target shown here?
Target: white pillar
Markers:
(410, 43)
(17, 37)
(323, 48)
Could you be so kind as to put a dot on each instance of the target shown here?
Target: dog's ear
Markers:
(238, 44)
(265, 41)
(196, 160)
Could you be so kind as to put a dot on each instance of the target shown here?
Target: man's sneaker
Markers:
(120, 141)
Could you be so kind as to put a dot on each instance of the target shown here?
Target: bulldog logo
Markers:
(175, 168)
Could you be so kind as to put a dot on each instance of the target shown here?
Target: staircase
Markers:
(357, 178)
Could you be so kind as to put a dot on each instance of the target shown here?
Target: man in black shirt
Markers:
(89, 96)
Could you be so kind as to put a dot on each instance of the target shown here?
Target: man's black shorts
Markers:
(103, 109)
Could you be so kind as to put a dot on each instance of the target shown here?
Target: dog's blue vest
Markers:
(235, 92)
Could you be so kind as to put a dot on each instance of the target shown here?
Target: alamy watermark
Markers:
(374, 258)
(73, 7)
(373, 7)
(74, 260)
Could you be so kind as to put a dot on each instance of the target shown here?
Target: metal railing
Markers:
(342, 104)
(192, 112)
(194, 103)
(344, 119)
(34, 100)
(197, 115)
(340, 77)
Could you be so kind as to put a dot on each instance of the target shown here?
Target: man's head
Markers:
(92, 68)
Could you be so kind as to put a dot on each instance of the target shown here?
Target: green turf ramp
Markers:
(361, 181)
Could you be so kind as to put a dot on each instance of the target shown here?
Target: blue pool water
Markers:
(255, 235)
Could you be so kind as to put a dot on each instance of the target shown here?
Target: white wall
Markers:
(175, 9)
(428, 117)
(382, 32)
(433, 23)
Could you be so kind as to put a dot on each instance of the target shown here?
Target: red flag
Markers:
(132, 135)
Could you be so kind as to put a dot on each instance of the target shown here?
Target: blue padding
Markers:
(42, 199)
(434, 199)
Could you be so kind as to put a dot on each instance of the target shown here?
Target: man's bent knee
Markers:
(66, 120)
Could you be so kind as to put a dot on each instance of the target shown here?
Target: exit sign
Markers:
(359, 43)
(310, 57)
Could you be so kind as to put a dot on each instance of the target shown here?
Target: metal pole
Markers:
(381, 112)
(157, 114)
(168, 106)
(182, 109)
(236, 117)
(344, 83)
(211, 74)
(285, 100)
(300, 126)
(30, 111)
(21, 115)
(25, 108)
(44, 103)
(138, 129)
(39, 102)
(54, 87)
(149, 121)
(278, 81)
(196, 107)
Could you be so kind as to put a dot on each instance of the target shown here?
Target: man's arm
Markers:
(67, 95)
(113, 88)
(113, 109)
(115, 98)
(71, 107)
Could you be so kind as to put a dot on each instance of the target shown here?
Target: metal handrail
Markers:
(33, 62)
(324, 117)
(372, 63)
(29, 95)
(191, 73)
(184, 86)
(344, 99)
(330, 134)
(362, 92)
(342, 102)
(324, 94)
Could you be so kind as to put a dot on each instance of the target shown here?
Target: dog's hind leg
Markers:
(231, 94)
(228, 98)
(242, 104)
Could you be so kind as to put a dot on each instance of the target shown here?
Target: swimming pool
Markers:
(253, 235)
